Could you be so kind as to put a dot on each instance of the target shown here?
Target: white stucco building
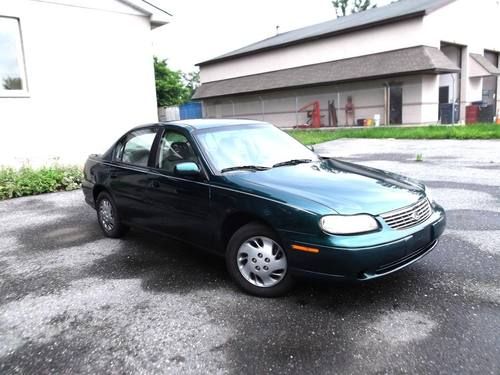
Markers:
(402, 61)
(74, 75)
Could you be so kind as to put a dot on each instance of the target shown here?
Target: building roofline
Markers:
(329, 83)
(158, 8)
(312, 38)
(322, 35)
(317, 64)
(157, 15)
(485, 64)
(430, 60)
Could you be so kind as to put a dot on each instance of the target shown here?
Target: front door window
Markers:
(174, 148)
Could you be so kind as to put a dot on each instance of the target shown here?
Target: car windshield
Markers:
(252, 147)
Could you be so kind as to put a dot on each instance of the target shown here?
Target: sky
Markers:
(200, 30)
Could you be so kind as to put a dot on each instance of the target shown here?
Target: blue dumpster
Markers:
(190, 110)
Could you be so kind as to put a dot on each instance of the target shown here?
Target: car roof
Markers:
(198, 124)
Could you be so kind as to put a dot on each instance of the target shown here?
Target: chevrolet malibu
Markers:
(274, 209)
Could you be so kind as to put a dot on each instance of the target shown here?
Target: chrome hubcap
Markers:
(262, 262)
(106, 216)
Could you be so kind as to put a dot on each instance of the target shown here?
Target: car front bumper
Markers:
(390, 251)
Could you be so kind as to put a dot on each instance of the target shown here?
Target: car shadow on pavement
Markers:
(165, 265)
(59, 232)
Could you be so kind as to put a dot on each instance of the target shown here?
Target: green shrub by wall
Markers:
(29, 181)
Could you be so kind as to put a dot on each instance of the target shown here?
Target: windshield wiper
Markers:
(292, 162)
(245, 167)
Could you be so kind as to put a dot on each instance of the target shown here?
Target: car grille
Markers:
(409, 216)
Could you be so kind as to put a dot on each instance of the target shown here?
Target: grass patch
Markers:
(28, 181)
(478, 131)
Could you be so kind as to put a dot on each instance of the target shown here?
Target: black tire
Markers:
(234, 262)
(116, 229)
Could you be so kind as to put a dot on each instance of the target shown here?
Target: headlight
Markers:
(339, 224)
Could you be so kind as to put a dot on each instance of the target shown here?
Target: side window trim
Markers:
(156, 160)
(118, 150)
(153, 154)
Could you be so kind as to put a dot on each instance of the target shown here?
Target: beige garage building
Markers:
(408, 62)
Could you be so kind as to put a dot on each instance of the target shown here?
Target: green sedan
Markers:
(275, 210)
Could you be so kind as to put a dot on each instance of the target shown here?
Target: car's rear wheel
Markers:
(108, 218)
(257, 262)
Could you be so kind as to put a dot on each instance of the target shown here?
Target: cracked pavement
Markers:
(72, 301)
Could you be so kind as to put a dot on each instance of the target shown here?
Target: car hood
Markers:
(343, 187)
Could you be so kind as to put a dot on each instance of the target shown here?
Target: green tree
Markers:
(170, 87)
(12, 83)
(192, 81)
(345, 7)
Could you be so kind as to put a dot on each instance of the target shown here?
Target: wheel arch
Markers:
(98, 189)
(234, 221)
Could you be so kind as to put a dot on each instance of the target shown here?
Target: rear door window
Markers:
(136, 147)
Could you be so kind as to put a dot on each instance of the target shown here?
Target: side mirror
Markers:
(187, 169)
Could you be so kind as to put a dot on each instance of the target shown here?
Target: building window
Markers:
(12, 71)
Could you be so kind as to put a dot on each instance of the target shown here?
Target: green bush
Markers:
(28, 181)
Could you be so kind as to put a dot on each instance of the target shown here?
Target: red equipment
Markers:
(472, 114)
(313, 110)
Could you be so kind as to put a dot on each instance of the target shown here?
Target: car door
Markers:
(128, 175)
(179, 206)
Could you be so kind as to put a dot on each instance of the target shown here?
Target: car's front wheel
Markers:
(107, 216)
(257, 262)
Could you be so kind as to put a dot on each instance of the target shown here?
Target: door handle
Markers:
(155, 184)
(112, 175)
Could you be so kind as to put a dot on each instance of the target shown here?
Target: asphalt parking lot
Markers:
(72, 301)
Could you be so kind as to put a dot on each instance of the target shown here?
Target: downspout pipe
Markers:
(453, 100)
(262, 106)
(387, 100)
(296, 110)
(234, 112)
